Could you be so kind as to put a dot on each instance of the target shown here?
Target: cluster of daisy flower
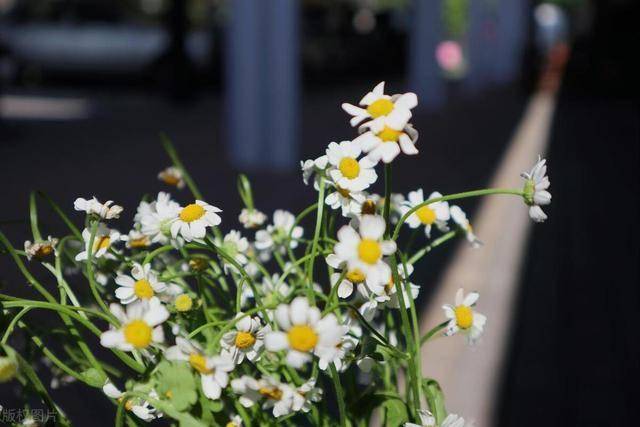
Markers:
(258, 325)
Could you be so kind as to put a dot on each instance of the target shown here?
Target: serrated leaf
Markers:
(176, 383)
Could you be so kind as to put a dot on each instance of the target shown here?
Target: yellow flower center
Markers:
(389, 135)
(272, 393)
(349, 167)
(141, 242)
(355, 276)
(381, 107)
(231, 424)
(191, 212)
(138, 334)
(169, 394)
(183, 303)
(302, 338)
(469, 228)
(368, 207)
(198, 264)
(244, 339)
(464, 316)
(426, 215)
(143, 289)
(128, 405)
(44, 251)
(101, 242)
(389, 286)
(343, 192)
(8, 369)
(199, 363)
(369, 251)
(170, 179)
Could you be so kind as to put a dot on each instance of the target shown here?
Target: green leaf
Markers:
(397, 413)
(94, 378)
(176, 382)
(435, 398)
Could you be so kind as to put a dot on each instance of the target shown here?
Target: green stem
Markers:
(437, 242)
(314, 244)
(474, 193)
(339, 395)
(426, 337)
(173, 155)
(33, 216)
(92, 280)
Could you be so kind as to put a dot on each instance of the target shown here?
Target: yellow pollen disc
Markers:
(128, 405)
(369, 251)
(302, 338)
(389, 135)
(199, 363)
(469, 228)
(369, 207)
(349, 167)
(271, 392)
(342, 191)
(389, 286)
(464, 316)
(191, 212)
(244, 339)
(426, 215)
(169, 394)
(101, 242)
(381, 107)
(355, 276)
(198, 264)
(231, 424)
(183, 303)
(142, 288)
(44, 251)
(170, 179)
(138, 334)
(142, 242)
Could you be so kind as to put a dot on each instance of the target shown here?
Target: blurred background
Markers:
(87, 86)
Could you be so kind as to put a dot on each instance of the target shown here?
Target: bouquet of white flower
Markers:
(270, 325)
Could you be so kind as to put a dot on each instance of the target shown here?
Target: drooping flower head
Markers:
(535, 190)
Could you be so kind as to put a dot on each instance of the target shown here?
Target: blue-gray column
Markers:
(262, 82)
(480, 52)
(511, 36)
(425, 78)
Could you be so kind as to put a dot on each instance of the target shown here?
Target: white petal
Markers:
(276, 341)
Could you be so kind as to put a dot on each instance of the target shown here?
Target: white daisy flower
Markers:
(251, 218)
(236, 247)
(377, 104)
(156, 218)
(276, 236)
(193, 220)
(303, 332)
(344, 347)
(93, 207)
(141, 325)
(40, 250)
(385, 137)
(362, 250)
(380, 296)
(247, 340)
(436, 213)
(102, 241)
(136, 240)
(275, 395)
(426, 419)
(311, 167)
(535, 190)
(462, 317)
(306, 395)
(234, 421)
(214, 371)
(172, 176)
(142, 285)
(141, 409)
(347, 171)
(460, 218)
(350, 202)
(453, 420)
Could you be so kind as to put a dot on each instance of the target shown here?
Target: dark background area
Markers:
(574, 353)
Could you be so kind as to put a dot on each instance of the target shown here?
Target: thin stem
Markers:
(314, 245)
(474, 193)
(339, 395)
(92, 280)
